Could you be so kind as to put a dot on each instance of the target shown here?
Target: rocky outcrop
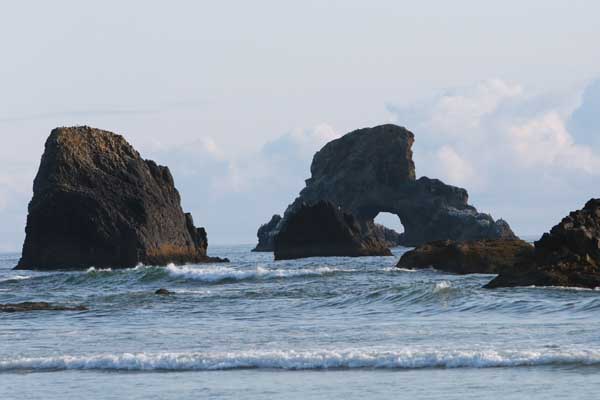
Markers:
(323, 229)
(569, 255)
(390, 237)
(266, 234)
(96, 202)
(470, 257)
(371, 170)
(37, 306)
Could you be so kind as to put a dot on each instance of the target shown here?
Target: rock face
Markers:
(37, 306)
(371, 170)
(470, 257)
(96, 202)
(321, 230)
(567, 256)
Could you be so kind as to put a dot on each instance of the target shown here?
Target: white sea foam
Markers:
(15, 278)
(302, 360)
(397, 269)
(94, 269)
(221, 273)
(443, 285)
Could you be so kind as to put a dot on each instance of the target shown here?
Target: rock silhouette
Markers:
(96, 202)
(371, 170)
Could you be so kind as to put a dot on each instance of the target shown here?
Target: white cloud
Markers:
(453, 166)
(502, 141)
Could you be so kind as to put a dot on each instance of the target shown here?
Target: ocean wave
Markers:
(92, 270)
(212, 274)
(15, 278)
(304, 360)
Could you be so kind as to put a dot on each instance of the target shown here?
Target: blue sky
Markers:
(236, 96)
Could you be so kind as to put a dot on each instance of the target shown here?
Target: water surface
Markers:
(316, 328)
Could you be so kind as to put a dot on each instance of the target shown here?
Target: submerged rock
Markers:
(96, 202)
(322, 230)
(569, 255)
(470, 257)
(38, 306)
(163, 292)
(371, 170)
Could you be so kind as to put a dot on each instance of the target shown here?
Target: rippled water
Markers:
(313, 328)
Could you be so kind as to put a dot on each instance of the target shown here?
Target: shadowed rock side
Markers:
(96, 202)
(322, 230)
(371, 170)
(470, 257)
(567, 256)
(266, 234)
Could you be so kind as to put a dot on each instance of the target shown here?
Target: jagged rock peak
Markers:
(569, 255)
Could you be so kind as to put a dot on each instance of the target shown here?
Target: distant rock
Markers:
(163, 292)
(37, 306)
(389, 236)
(567, 256)
(371, 170)
(96, 202)
(266, 234)
(470, 257)
(321, 230)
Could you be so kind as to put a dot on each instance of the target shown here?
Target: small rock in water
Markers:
(163, 292)
(38, 306)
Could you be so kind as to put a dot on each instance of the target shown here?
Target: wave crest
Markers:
(212, 274)
(304, 360)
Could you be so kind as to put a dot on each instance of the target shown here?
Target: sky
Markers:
(236, 96)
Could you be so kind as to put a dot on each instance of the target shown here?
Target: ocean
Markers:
(318, 328)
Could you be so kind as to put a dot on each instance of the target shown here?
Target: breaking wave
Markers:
(304, 360)
(212, 274)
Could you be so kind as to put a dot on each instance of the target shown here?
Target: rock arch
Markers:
(371, 170)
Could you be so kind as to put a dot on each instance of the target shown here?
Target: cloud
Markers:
(509, 146)
(454, 166)
(232, 195)
(584, 123)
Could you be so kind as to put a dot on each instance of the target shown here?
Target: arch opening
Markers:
(390, 221)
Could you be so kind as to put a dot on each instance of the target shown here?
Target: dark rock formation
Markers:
(266, 234)
(322, 230)
(390, 237)
(96, 202)
(371, 170)
(38, 306)
(470, 257)
(163, 292)
(567, 256)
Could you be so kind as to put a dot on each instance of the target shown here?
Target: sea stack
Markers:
(96, 202)
(371, 170)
